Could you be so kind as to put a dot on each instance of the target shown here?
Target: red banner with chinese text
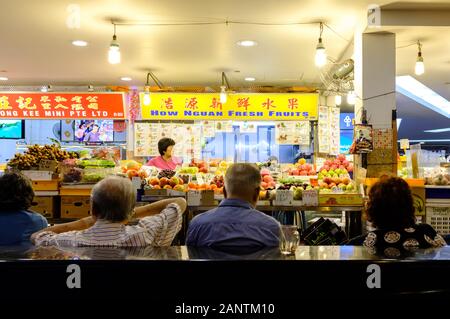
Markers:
(52, 105)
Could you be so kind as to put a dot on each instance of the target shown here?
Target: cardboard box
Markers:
(52, 185)
(156, 192)
(340, 200)
(44, 205)
(207, 198)
(38, 175)
(75, 206)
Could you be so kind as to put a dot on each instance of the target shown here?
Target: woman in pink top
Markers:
(166, 160)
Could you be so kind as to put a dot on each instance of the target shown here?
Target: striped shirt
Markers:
(156, 230)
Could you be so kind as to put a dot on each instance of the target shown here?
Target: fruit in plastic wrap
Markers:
(73, 175)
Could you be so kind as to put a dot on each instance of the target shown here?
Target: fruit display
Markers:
(167, 173)
(301, 168)
(35, 153)
(108, 153)
(174, 183)
(188, 170)
(344, 184)
(70, 172)
(340, 162)
(438, 176)
(218, 181)
(201, 165)
(96, 163)
(267, 180)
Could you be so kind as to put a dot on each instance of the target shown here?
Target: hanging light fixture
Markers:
(114, 49)
(420, 67)
(223, 89)
(321, 55)
(338, 100)
(351, 97)
(147, 96)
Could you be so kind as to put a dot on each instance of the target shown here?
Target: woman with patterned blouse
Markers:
(391, 212)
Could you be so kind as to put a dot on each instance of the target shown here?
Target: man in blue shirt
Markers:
(236, 223)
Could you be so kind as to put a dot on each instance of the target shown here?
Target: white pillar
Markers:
(375, 78)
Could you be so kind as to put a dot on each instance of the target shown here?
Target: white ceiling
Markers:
(36, 49)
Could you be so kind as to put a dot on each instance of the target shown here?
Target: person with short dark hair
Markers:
(112, 204)
(236, 222)
(17, 222)
(166, 160)
(93, 135)
(390, 210)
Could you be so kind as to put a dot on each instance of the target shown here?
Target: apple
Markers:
(326, 167)
(154, 181)
(132, 173)
(346, 180)
(179, 188)
(164, 181)
(267, 178)
(272, 184)
(350, 167)
(203, 170)
(332, 185)
(265, 172)
(333, 167)
(327, 180)
(345, 163)
(303, 173)
(156, 187)
(167, 187)
(295, 172)
(327, 163)
(175, 180)
(341, 157)
(264, 185)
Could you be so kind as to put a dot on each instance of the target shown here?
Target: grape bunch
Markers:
(166, 173)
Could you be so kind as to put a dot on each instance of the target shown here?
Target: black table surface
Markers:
(184, 253)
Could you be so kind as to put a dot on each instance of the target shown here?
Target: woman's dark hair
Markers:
(164, 143)
(390, 204)
(16, 191)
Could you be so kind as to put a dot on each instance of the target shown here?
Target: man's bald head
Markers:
(242, 180)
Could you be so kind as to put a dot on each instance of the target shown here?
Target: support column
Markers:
(375, 88)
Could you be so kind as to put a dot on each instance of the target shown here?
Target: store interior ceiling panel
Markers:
(36, 42)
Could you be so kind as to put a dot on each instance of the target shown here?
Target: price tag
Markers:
(311, 197)
(47, 165)
(194, 198)
(284, 198)
(404, 143)
(136, 181)
(200, 180)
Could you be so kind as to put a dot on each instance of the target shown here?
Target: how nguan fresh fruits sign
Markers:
(238, 106)
(93, 105)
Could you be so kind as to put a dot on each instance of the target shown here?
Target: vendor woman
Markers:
(166, 160)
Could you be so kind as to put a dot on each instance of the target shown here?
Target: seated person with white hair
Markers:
(112, 205)
(236, 222)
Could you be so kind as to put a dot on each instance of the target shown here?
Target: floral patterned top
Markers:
(417, 236)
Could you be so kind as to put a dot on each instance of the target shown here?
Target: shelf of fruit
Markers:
(36, 153)
(301, 168)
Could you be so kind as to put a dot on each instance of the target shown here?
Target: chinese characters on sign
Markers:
(207, 106)
(61, 105)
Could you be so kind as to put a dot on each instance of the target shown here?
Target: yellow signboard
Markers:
(253, 106)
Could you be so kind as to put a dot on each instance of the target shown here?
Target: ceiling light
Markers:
(247, 43)
(46, 88)
(338, 100)
(223, 94)
(250, 79)
(399, 121)
(126, 78)
(147, 98)
(439, 130)
(420, 67)
(3, 78)
(321, 55)
(351, 97)
(114, 50)
(79, 43)
(415, 90)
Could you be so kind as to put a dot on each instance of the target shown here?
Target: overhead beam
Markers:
(411, 18)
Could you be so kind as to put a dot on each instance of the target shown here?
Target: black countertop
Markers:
(184, 253)
(172, 275)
